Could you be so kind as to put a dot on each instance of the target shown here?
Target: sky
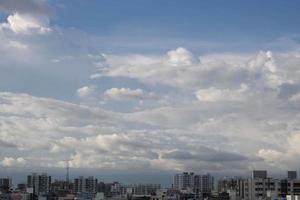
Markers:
(139, 90)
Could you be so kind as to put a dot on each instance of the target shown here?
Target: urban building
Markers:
(207, 183)
(184, 181)
(144, 189)
(260, 187)
(40, 183)
(292, 174)
(259, 174)
(5, 184)
(191, 183)
(62, 188)
(83, 184)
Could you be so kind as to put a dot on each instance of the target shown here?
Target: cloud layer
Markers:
(67, 101)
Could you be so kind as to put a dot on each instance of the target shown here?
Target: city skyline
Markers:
(178, 181)
(143, 90)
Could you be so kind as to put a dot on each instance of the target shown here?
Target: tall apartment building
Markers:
(193, 183)
(40, 183)
(207, 183)
(5, 184)
(184, 181)
(88, 185)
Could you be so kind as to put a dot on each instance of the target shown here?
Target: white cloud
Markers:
(13, 162)
(85, 91)
(180, 57)
(293, 144)
(86, 136)
(258, 71)
(233, 105)
(269, 155)
(213, 94)
(286, 157)
(26, 24)
(17, 45)
(120, 94)
(230, 89)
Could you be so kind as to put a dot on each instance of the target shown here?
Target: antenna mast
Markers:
(68, 169)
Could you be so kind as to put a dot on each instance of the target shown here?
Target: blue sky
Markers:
(149, 87)
(211, 21)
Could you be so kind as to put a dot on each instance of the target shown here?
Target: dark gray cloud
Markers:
(205, 154)
(287, 90)
(6, 144)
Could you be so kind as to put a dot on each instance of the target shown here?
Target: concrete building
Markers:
(260, 174)
(292, 174)
(88, 185)
(184, 181)
(190, 183)
(40, 183)
(5, 184)
(290, 187)
(261, 187)
(207, 183)
(145, 189)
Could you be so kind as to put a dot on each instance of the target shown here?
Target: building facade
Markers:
(83, 184)
(40, 183)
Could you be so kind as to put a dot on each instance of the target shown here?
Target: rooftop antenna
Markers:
(68, 169)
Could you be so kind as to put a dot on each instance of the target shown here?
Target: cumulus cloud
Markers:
(26, 17)
(269, 155)
(94, 138)
(85, 91)
(13, 162)
(212, 101)
(284, 157)
(26, 24)
(120, 94)
(259, 71)
(213, 94)
(229, 89)
(180, 57)
(225, 111)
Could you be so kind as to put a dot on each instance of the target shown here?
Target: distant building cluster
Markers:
(41, 187)
(186, 186)
(260, 186)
